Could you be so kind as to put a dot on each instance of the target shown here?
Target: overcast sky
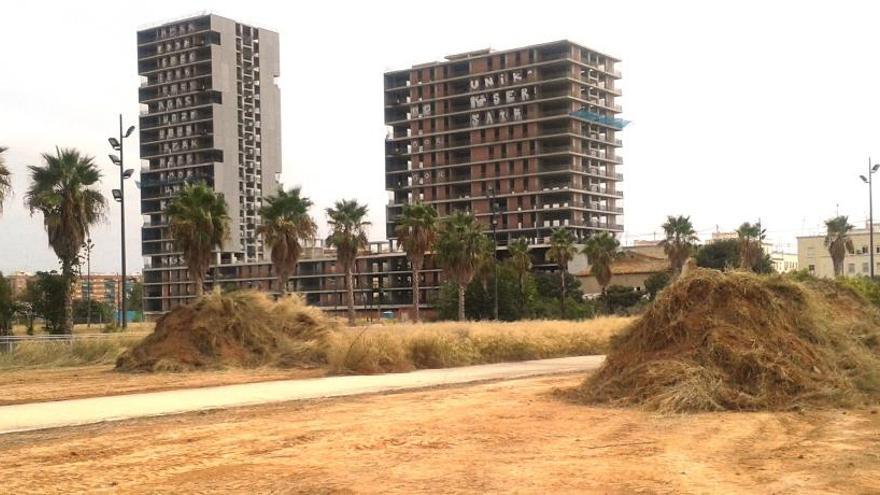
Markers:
(739, 110)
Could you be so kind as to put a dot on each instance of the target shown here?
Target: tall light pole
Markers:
(491, 195)
(119, 195)
(88, 245)
(872, 169)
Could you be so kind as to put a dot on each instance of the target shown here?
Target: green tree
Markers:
(562, 251)
(479, 300)
(134, 300)
(655, 283)
(348, 234)
(548, 290)
(5, 181)
(46, 294)
(681, 238)
(417, 231)
(7, 306)
(286, 224)
(461, 247)
(198, 220)
(101, 312)
(751, 244)
(521, 261)
(724, 255)
(719, 255)
(64, 192)
(619, 298)
(601, 250)
(838, 241)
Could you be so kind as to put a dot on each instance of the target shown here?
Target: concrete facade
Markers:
(505, 124)
(814, 257)
(211, 113)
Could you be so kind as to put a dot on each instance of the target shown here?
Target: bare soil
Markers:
(38, 385)
(513, 436)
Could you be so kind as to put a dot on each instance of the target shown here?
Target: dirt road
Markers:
(502, 437)
(35, 416)
(37, 385)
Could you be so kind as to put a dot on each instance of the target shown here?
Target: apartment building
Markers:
(211, 113)
(814, 256)
(103, 287)
(529, 135)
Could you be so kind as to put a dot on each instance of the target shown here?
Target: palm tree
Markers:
(63, 192)
(601, 250)
(417, 231)
(522, 263)
(461, 248)
(681, 238)
(349, 236)
(286, 224)
(751, 240)
(5, 183)
(838, 241)
(561, 252)
(198, 221)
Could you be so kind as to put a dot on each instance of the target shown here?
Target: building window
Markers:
(851, 268)
(866, 267)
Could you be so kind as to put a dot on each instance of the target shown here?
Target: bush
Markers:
(864, 286)
(619, 299)
(656, 282)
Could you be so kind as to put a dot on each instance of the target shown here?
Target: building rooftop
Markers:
(485, 52)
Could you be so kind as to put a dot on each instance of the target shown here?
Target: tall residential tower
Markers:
(211, 113)
(533, 127)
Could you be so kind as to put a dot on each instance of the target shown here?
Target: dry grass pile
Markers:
(405, 347)
(56, 354)
(239, 329)
(738, 341)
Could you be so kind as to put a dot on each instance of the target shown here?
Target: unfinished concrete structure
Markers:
(535, 128)
(211, 113)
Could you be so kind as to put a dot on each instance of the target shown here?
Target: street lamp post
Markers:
(119, 195)
(872, 169)
(88, 245)
(492, 208)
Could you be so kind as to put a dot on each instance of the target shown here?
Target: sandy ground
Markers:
(32, 385)
(508, 437)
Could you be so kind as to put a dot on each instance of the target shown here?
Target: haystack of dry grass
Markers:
(238, 329)
(738, 341)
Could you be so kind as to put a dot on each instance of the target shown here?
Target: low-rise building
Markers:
(631, 270)
(814, 256)
(784, 262)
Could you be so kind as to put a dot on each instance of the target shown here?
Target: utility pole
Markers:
(492, 208)
(88, 245)
(872, 169)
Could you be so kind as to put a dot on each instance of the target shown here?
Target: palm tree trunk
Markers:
(562, 301)
(349, 282)
(282, 282)
(67, 274)
(416, 294)
(522, 292)
(200, 286)
(461, 288)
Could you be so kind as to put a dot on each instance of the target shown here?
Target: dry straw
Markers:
(739, 341)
